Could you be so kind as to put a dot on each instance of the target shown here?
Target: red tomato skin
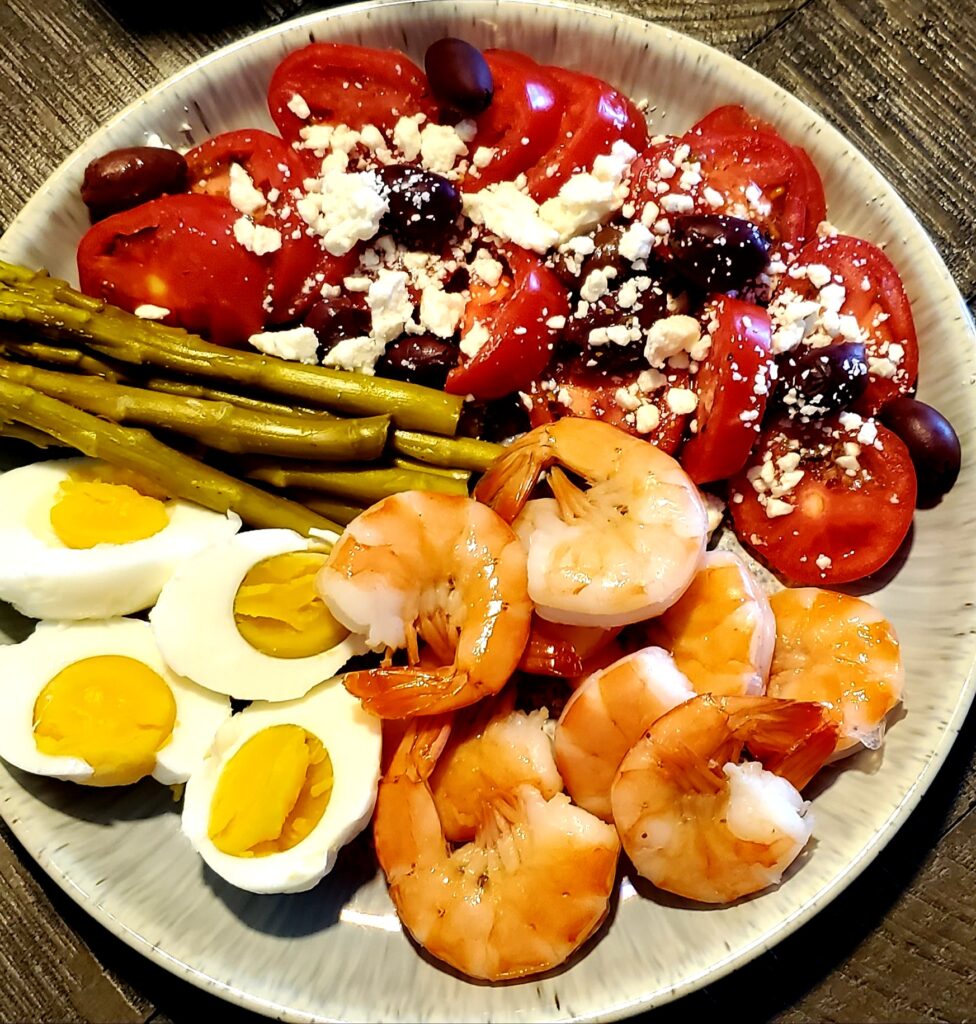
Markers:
(271, 164)
(856, 259)
(527, 104)
(858, 526)
(595, 116)
(508, 361)
(734, 148)
(178, 252)
(382, 86)
(734, 380)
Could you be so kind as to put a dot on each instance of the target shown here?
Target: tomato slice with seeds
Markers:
(276, 171)
(513, 319)
(848, 514)
(733, 384)
(736, 151)
(522, 121)
(346, 84)
(876, 297)
(570, 388)
(594, 117)
(178, 252)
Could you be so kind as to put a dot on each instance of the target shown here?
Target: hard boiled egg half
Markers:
(245, 618)
(83, 540)
(283, 787)
(93, 702)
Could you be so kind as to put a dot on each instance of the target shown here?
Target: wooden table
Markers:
(896, 77)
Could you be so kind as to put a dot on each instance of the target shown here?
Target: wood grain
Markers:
(896, 77)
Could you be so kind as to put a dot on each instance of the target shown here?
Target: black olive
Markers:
(931, 442)
(335, 320)
(125, 178)
(423, 207)
(815, 381)
(420, 360)
(459, 75)
(717, 252)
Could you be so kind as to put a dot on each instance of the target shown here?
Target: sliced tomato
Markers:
(737, 151)
(276, 172)
(514, 316)
(846, 518)
(570, 388)
(876, 297)
(522, 122)
(594, 117)
(345, 84)
(733, 383)
(178, 252)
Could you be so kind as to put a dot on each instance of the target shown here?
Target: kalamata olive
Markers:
(459, 75)
(420, 360)
(716, 252)
(816, 381)
(932, 444)
(423, 207)
(125, 178)
(334, 320)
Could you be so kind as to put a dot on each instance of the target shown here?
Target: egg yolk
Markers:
(90, 512)
(271, 794)
(278, 610)
(110, 711)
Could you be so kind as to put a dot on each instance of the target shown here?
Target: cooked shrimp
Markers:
(521, 898)
(621, 551)
(607, 715)
(842, 651)
(496, 750)
(697, 823)
(437, 568)
(721, 631)
(555, 649)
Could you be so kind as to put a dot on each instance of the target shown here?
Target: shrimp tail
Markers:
(792, 738)
(506, 487)
(397, 692)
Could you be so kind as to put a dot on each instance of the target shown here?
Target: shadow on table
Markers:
(191, 15)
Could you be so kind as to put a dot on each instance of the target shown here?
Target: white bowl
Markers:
(337, 953)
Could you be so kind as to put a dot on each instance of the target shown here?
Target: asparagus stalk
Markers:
(18, 432)
(54, 305)
(450, 452)
(137, 450)
(72, 359)
(339, 511)
(188, 389)
(216, 424)
(354, 483)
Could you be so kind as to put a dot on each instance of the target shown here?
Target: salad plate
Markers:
(337, 952)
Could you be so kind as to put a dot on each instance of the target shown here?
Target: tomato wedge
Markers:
(738, 151)
(522, 121)
(824, 503)
(276, 172)
(570, 388)
(345, 84)
(178, 252)
(733, 384)
(876, 297)
(513, 321)
(594, 117)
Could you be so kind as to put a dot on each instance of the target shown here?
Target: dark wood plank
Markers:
(47, 972)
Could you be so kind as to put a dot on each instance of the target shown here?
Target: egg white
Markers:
(26, 668)
(44, 579)
(193, 621)
(353, 739)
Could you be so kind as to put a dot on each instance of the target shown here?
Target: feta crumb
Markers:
(298, 344)
(440, 311)
(505, 210)
(669, 336)
(343, 209)
(646, 418)
(635, 242)
(256, 238)
(473, 339)
(358, 355)
(389, 305)
(299, 107)
(243, 195)
(597, 283)
(682, 401)
(440, 146)
(147, 311)
(406, 136)
(486, 268)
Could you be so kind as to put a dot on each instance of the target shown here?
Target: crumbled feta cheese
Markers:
(299, 107)
(556, 323)
(483, 156)
(256, 238)
(243, 195)
(505, 210)
(647, 418)
(440, 311)
(359, 355)
(597, 283)
(343, 209)
(682, 401)
(486, 268)
(147, 311)
(636, 242)
(440, 147)
(713, 197)
(298, 344)
(473, 339)
(389, 305)
(406, 136)
(669, 336)
(824, 562)
(675, 202)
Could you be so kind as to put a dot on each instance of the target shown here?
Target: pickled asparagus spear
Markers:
(189, 389)
(137, 450)
(338, 511)
(35, 298)
(18, 432)
(216, 424)
(56, 355)
(450, 452)
(354, 483)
